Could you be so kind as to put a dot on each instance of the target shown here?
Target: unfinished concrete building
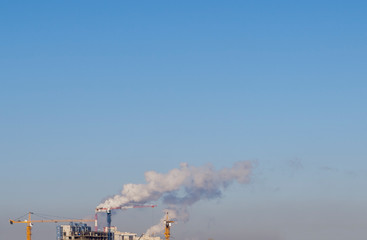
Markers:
(79, 231)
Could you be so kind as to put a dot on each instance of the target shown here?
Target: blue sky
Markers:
(95, 93)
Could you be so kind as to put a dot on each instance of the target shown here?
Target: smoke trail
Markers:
(180, 188)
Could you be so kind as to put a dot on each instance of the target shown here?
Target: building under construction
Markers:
(78, 231)
(81, 231)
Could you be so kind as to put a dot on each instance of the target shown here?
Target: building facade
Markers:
(79, 231)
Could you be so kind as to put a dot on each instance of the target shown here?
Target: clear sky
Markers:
(95, 93)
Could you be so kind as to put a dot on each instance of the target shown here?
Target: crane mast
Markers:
(29, 227)
(168, 224)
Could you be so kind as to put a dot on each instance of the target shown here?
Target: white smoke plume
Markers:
(180, 188)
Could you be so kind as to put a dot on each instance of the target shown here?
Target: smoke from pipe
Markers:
(180, 188)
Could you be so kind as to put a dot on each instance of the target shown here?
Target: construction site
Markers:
(77, 228)
(186, 186)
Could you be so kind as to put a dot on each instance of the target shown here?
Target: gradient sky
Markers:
(95, 93)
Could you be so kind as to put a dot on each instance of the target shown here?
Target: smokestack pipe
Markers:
(109, 223)
(95, 222)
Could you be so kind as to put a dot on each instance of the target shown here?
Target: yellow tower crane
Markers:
(168, 223)
(29, 223)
